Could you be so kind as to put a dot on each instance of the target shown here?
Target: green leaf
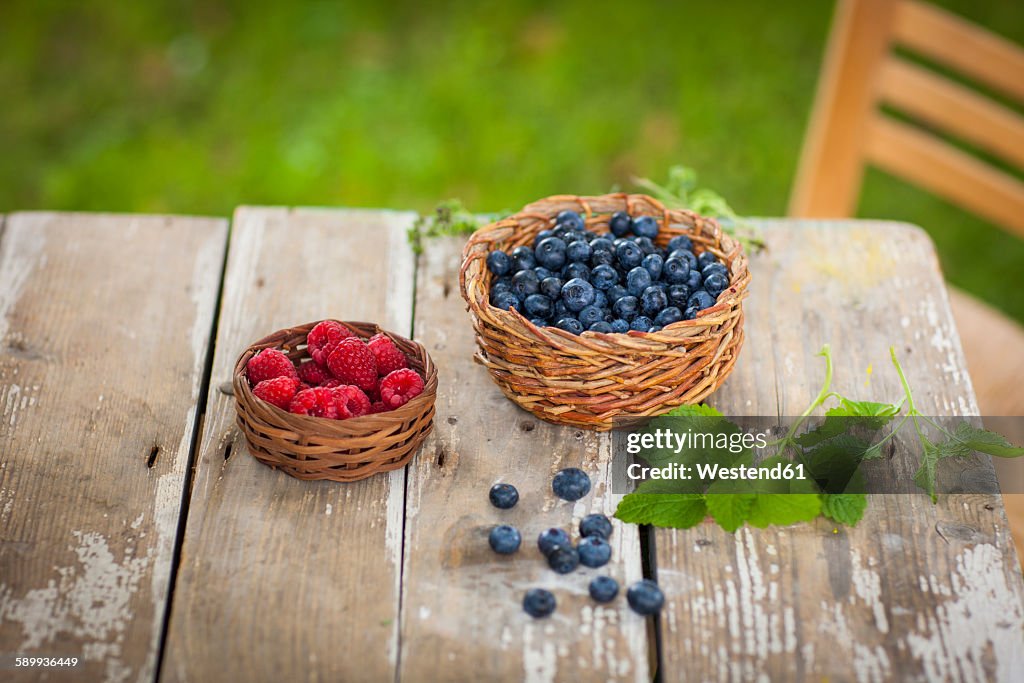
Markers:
(834, 463)
(668, 486)
(985, 441)
(925, 475)
(677, 511)
(696, 410)
(783, 509)
(874, 452)
(699, 421)
(845, 508)
(730, 510)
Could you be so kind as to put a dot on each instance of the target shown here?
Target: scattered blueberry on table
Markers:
(574, 278)
(503, 496)
(504, 539)
(539, 603)
(645, 597)
(596, 524)
(603, 588)
(563, 559)
(552, 538)
(571, 484)
(594, 551)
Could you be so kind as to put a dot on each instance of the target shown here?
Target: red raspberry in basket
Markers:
(278, 391)
(353, 362)
(351, 400)
(399, 387)
(389, 357)
(322, 339)
(332, 383)
(378, 407)
(316, 402)
(268, 364)
(313, 373)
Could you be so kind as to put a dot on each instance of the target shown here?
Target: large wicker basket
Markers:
(340, 450)
(591, 379)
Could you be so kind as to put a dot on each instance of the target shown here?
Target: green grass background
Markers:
(198, 107)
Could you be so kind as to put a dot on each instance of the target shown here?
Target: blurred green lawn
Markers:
(199, 107)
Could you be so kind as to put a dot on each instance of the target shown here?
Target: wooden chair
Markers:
(848, 131)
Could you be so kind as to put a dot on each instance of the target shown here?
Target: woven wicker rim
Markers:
(342, 450)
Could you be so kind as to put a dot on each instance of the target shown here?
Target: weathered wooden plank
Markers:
(284, 579)
(462, 615)
(104, 328)
(916, 591)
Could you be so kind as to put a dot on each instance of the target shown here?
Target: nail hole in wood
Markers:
(441, 455)
(527, 426)
(227, 450)
(703, 542)
(989, 506)
(446, 289)
(452, 420)
(260, 282)
(151, 460)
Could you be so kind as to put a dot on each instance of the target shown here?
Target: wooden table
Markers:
(137, 534)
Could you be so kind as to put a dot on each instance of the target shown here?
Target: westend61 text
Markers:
(709, 471)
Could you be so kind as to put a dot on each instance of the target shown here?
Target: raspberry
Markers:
(278, 391)
(268, 364)
(315, 403)
(389, 357)
(399, 387)
(378, 407)
(353, 362)
(313, 373)
(322, 339)
(332, 383)
(352, 400)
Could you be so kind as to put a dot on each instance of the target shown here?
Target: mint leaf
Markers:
(730, 510)
(835, 463)
(845, 508)
(677, 511)
(783, 509)
(699, 409)
(668, 486)
(985, 441)
(925, 475)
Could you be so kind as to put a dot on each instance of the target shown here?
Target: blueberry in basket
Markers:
(580, 279)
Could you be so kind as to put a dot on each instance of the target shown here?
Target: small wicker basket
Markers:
(340, 450)
(591, 379)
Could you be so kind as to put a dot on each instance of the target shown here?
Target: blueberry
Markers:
(668, 315)
(685, 255)
(600, 299)
(601, 326)
(594, 551)
(620, 223)
(645, 244)
(654, 328)
(680, 242)
(504, 539)
(505, 300)
(645, 226)
(539, 306)
(560, 309)
(551, 253)
(637, 280)
(577, 294)
(499, 263)
(551, 539)
(539, 322)
(641, 323)
(653, 300)
(654, 263)
(602, 244)
(676, 271)
(604, 588)
(715, 284)
(571, 484)
(542, 273)
(590, 315)
(502, 284)
(604, 276)
(615, 292)
(576, 270)
(645, 597)
(695, 281)
(523, 258)
(677, 295)
(595, 524)
(706, 258)
(503, 496)
(690, 313)
(601, 258)
(715, 267)
(620, 326)
(628, 255)
(570, 219)
(542, 235)
(571, 325)
(701, 300)
(578, 252)
(539, 603)
(563, 559)
(551, 287)
(626, 307)
(525, 283)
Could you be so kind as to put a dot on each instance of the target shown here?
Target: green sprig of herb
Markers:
(450, 218)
